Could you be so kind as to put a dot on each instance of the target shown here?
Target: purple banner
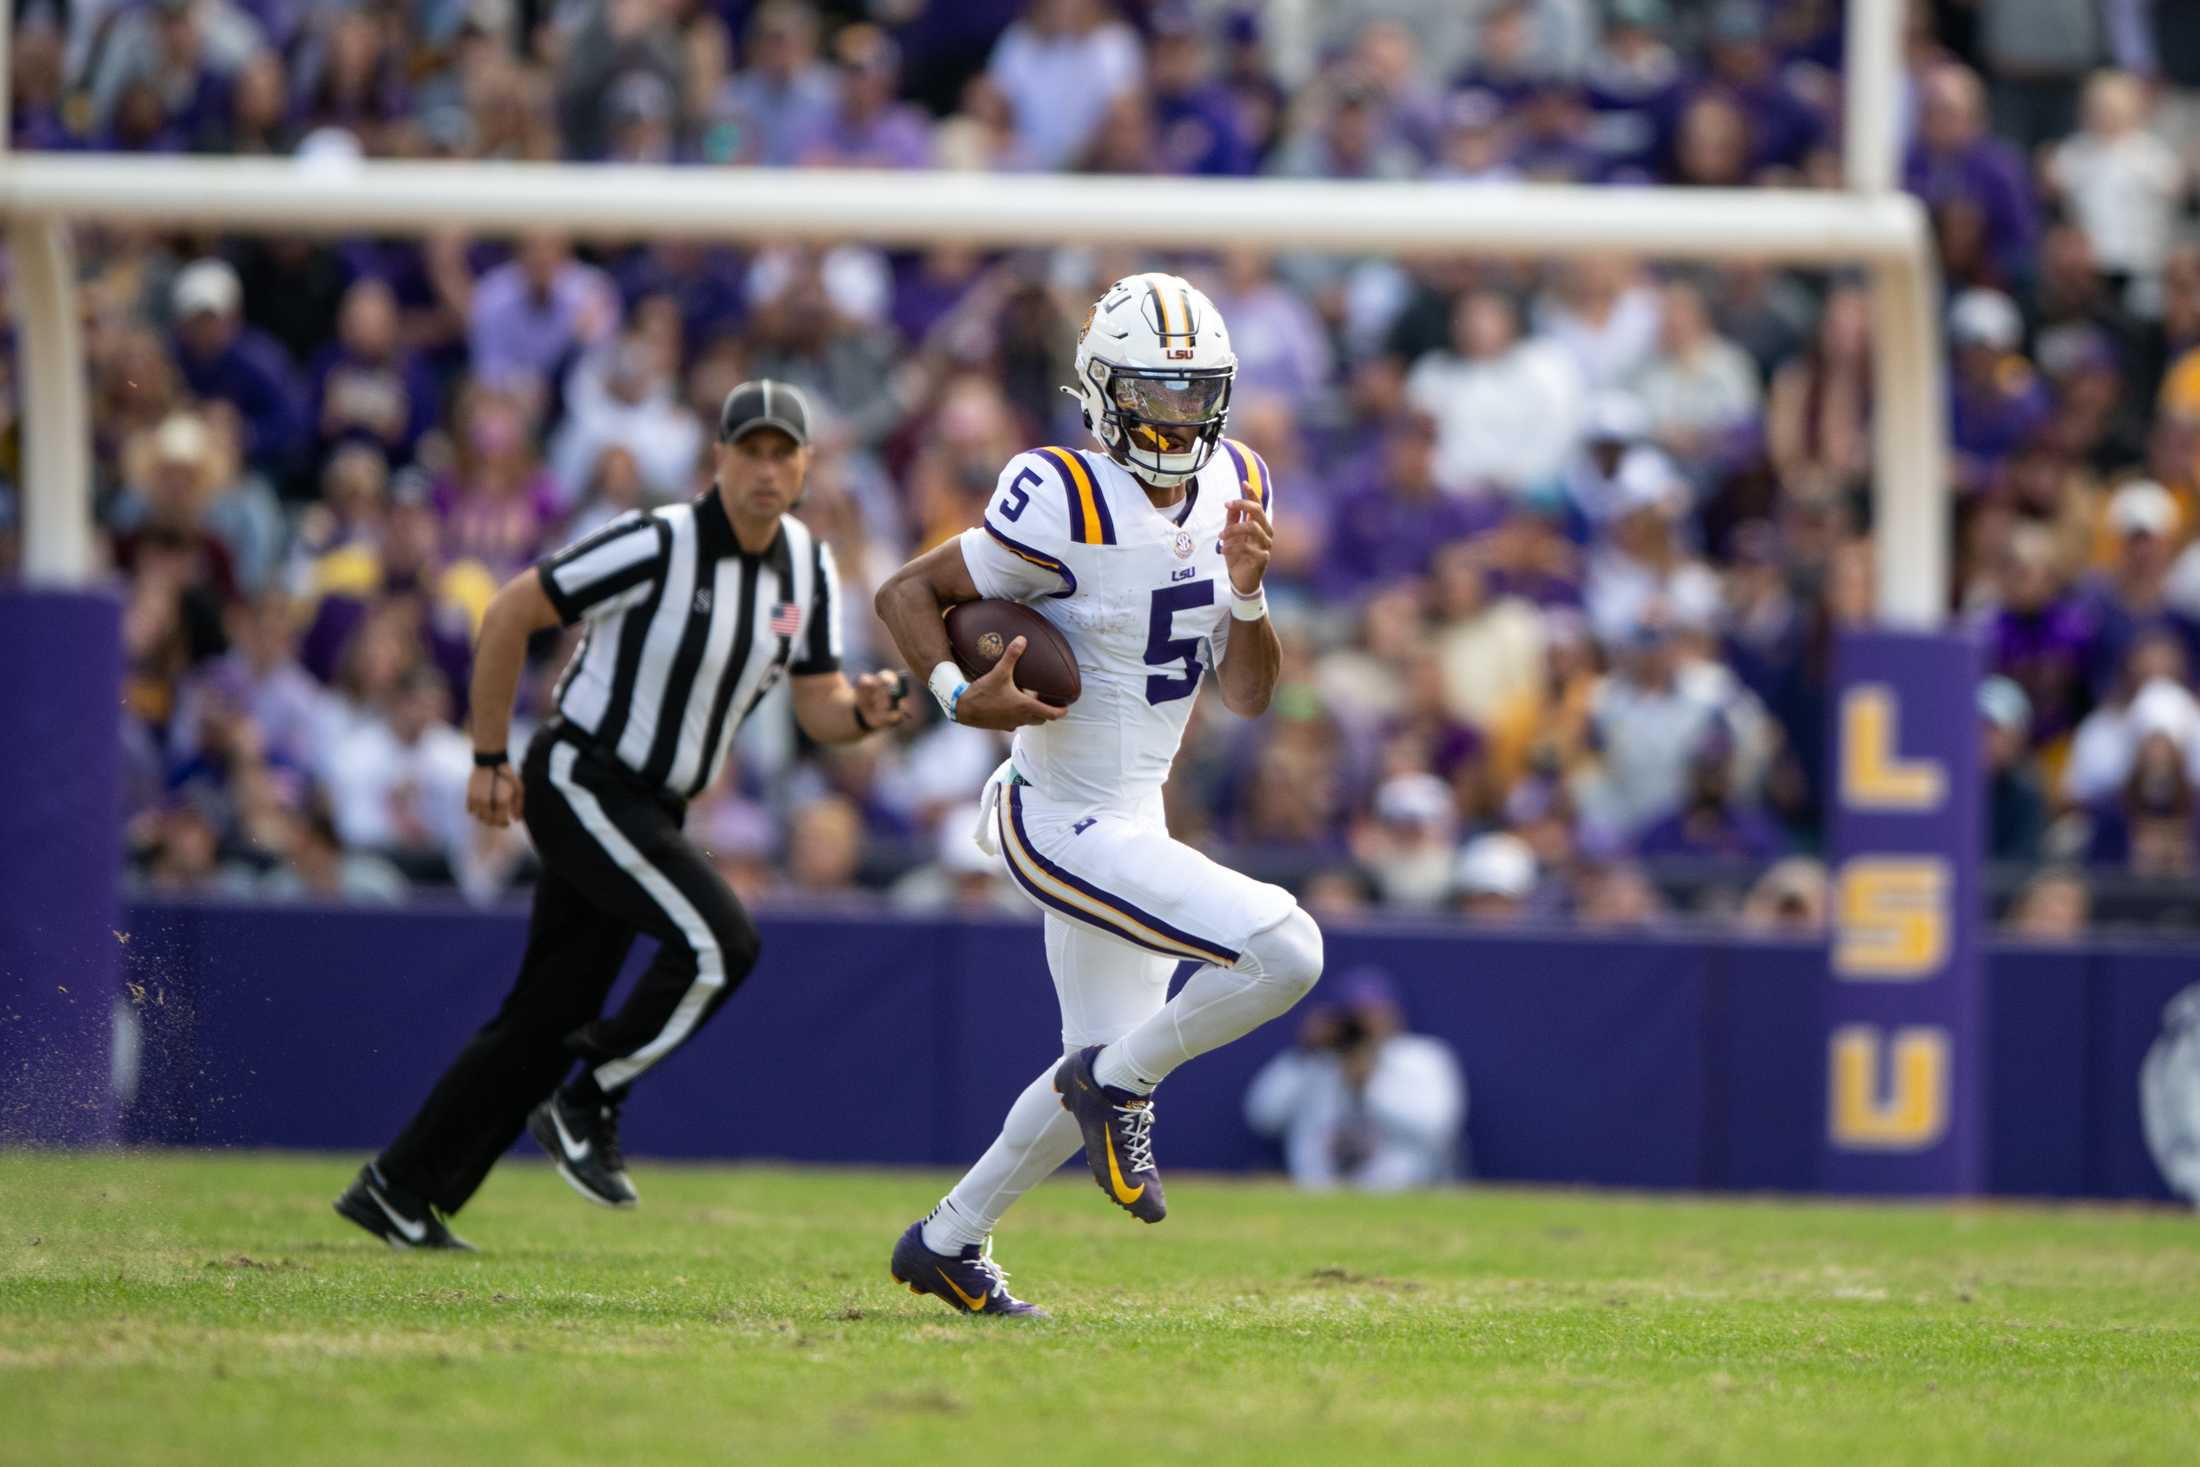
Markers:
(60, 847)
(1904, 1025)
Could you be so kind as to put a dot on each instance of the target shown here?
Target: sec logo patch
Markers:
(1183, 545)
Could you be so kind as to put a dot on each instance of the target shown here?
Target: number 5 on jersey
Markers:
(1016, 496)
(1165, 649)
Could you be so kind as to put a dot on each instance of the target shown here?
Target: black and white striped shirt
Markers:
(686, 632)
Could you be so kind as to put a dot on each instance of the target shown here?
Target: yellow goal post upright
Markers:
(1869, 225)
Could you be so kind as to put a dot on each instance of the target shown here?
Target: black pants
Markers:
(615, 865)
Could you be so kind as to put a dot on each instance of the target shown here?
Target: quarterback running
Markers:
(1148, 557)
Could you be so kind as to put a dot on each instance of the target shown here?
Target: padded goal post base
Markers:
(60, 857)
(1904, 997)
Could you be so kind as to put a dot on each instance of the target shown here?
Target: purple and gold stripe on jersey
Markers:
(1252, 472)
(1090, 523)
(1037, 557)
(1060, 890)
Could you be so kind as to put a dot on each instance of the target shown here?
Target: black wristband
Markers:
(863, 724)
(496, 760)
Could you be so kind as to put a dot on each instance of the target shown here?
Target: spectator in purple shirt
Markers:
(530, 315)
(1201, 131)
(1553, 143)
(866, 127)
(1387, 56)
(407, 582)
(1505, 62)
(35, 93)
(349, 72)
(1783, 127)
(1633, 83)
(2129, 600)
(1996, 401)
(2152, 828)
(2040, 637)
(160, 79)
(1711, 824)
(781, 93)
(260, 677)
(1246, 72)
(367, 386)
(705, 280)
(500, 504)
(221, 358)
(1281, 347)
(1389, 515)
(928, 288)
(1954, 165)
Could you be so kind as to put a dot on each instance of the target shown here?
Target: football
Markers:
(980, 632)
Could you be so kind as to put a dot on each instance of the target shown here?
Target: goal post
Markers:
(1885, 233)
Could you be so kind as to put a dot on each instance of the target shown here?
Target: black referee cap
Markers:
(764, 404)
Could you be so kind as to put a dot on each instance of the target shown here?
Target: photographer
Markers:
(1361, 1103)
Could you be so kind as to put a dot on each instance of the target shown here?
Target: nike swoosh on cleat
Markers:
(574, 1150)
(1123, 1194)
(976, 1306)
(413, 1231)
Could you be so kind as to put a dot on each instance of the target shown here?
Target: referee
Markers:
(693, 613)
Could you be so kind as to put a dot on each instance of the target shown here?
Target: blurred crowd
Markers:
(1562, 548)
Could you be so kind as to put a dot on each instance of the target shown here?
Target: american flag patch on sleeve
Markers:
(786, 619)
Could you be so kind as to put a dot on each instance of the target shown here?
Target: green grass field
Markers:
(211, 1309)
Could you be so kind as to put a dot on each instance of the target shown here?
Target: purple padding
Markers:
(1765, 1072)
(2041, 1118)
(874, 1040)
(1651, 1062)
(324, 1028)
(60, 841)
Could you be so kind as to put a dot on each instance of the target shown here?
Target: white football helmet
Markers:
(1154, 368)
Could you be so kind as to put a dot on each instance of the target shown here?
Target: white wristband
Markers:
(947, 684)
(1249, 608)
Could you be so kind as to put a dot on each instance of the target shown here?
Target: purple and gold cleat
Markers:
(1118, 1128)
(970, 1282)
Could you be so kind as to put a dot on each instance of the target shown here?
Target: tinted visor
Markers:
(1169, 413)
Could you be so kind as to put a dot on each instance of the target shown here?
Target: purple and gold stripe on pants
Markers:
(1060, 890)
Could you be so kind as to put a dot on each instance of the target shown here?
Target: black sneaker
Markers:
(395, 1215)
(583, 1142)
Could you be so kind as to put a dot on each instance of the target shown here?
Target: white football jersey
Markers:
(1143, 599)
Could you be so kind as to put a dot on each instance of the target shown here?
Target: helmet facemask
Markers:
(1161, 423)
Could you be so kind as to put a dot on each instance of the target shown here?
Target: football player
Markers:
(1148, 555)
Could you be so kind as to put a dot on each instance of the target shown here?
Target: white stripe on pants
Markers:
(710, 961)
